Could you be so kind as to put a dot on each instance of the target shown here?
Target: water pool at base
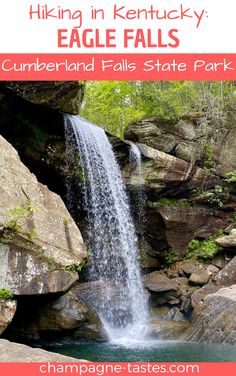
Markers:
(161, 351)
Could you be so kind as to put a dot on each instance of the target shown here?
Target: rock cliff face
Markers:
(66, 96)
(41, 252)
(36, 229)
(190, 139)
(162, 172)
(214, 319)
(181, 202)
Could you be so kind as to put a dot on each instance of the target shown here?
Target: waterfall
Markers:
(135, 159)
(110, 235)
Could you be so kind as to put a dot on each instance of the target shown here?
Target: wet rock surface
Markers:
(166, 329)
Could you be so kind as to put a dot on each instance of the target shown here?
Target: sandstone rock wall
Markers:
(189, 139)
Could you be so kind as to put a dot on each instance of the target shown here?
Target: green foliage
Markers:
(6, 294)
(205, 249)
(76, 268)
(32, 233)
(112, 104)
(173, 202)
(51, 264)
(231, 177)
(217, 198)
(233, 218)
(209, 163)
(115, 104)
(171, 257)
(18, 217)
(231, 180)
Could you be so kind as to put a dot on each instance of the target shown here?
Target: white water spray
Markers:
(110, 231)
(135, 159)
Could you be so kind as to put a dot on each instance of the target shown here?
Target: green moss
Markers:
(205, 249)
(171, 257)
(173, 202)
(217, 199)
(51, 264)
(6, 294)
(32, 233)
(66, 221)
(76, 268)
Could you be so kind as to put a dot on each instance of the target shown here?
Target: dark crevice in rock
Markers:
(37, 133)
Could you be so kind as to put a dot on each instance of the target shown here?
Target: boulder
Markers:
(214, 318)
(228, 241)
(166, 329)
(15, 352)
(157, 282)
(163, 290)
(37, 235)
(183, 286)
(223, 278)
(54, 317)
(158, 313)
(189, 267)
(219, 262)
(7, 312)
(212, 269)
(174, 314)
(68, 312)
(199, 294)
(200, 277)
(227, 276)
(66, 96)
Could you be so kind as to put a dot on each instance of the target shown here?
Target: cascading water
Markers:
(110, 231)
(135, 159)
(139, 196)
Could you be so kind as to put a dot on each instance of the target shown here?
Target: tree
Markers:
(115, 104)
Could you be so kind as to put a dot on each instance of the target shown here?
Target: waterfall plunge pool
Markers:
(148, 351)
